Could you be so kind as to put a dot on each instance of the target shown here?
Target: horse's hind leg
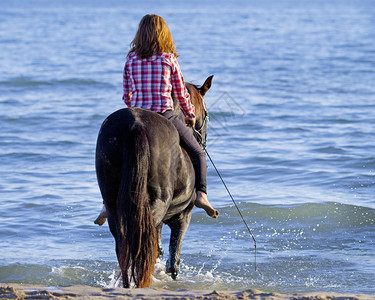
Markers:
(109, 182)
(178, 225)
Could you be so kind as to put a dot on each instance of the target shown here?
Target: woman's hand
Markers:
(190, 122)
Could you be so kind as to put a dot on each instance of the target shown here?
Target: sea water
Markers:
(292, 131)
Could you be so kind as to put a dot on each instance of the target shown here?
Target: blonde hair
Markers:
(153, 36)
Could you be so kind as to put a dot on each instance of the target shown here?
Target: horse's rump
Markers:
(136, 152)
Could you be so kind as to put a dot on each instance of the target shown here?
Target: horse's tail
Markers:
(137, 238)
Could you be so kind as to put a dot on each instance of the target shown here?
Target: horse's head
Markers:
(201, 113)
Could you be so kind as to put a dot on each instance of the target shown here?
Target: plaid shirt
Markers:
(148, 84)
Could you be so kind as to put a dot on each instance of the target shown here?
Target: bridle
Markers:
(202, 140)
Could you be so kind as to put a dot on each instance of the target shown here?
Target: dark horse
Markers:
(146, 179)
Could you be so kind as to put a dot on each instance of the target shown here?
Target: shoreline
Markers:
(35, 291)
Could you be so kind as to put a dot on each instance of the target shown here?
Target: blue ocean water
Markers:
(292, 130)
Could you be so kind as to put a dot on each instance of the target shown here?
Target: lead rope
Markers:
(235, 204)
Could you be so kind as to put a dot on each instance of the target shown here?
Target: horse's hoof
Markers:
(172, 270)
(174, 275)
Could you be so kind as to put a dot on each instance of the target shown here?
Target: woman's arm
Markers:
(127, 88)
(180, 91)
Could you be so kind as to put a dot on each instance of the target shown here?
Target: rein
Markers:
(203, 142)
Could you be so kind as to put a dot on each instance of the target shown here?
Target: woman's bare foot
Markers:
(202, 202)
(100, 220)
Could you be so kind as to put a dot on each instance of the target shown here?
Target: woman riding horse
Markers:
(146, 178)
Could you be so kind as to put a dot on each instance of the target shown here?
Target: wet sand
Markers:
(28, 291)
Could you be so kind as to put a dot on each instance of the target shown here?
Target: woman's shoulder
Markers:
(169, 58)
(167, 55)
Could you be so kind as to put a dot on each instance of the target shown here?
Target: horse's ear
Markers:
(206, 85)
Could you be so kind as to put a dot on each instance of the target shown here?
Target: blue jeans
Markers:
(192, 147)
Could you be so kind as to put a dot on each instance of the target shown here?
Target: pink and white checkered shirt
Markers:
(148, 84)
